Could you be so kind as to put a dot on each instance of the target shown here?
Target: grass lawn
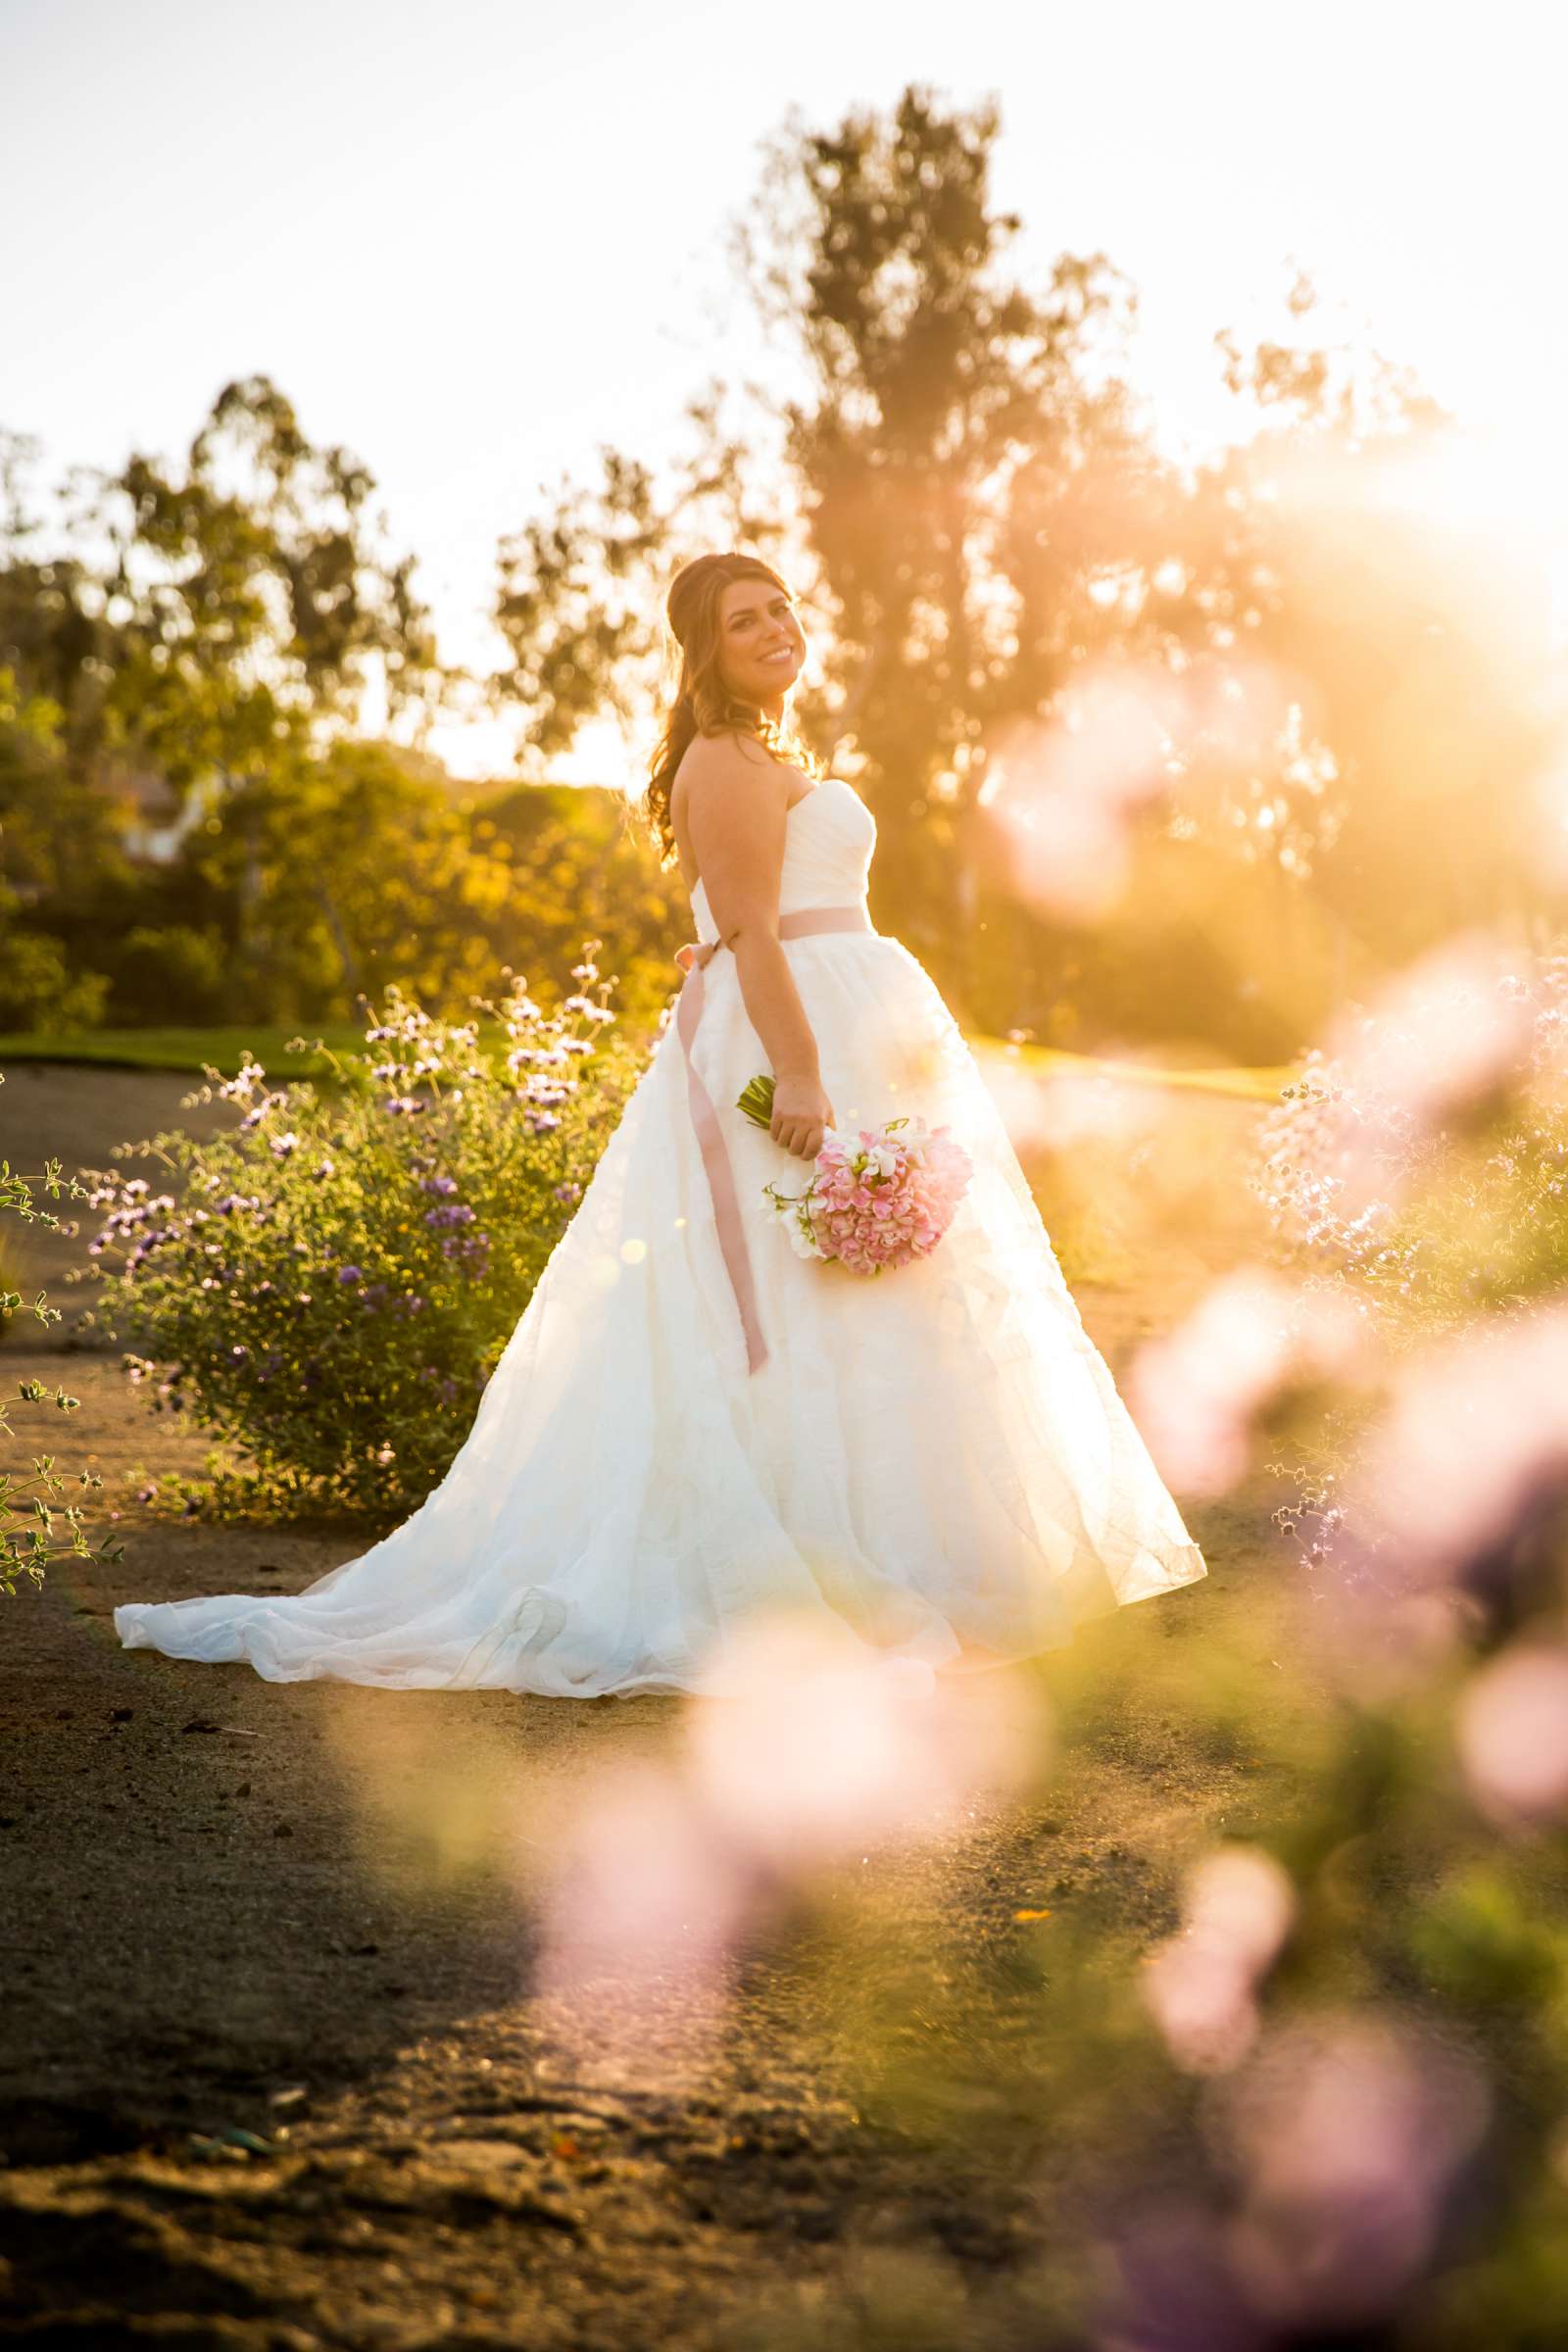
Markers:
(189, 1049)
(183, 1048)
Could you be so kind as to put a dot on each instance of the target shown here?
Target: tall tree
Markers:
(211, 611)
(961, 446)
(954, 464)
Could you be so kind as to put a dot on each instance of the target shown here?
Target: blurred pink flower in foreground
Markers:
(822, 1748)
(1238, 1906)
(1344, 2136)
(1441, 1032)
(1449, 1508)
(1174, 2291)
(636, 1885)
(1477, 1430)
(825, 1748)
(1061, 791)
(1349, 2128)
(1511, 1725)
(1196, 1392)
(1439, 1035)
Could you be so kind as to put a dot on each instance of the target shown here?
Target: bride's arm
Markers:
(737, 797)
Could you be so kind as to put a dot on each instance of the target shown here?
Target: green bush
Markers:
(38, 990)
(330, 1286)
(1416, 1173)
(169, 972)
(35, 1527)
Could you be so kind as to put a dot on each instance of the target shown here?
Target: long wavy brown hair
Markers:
(704, 703)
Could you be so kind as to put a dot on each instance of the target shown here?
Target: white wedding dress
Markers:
(935, 1456)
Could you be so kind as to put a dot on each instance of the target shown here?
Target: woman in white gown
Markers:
(691, 1423)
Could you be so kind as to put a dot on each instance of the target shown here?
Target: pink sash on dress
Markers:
(692, 959)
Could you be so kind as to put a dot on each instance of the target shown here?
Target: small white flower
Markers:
(802, 1234)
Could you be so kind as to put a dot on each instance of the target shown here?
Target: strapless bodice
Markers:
(829, 836)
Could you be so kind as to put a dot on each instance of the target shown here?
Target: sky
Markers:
(475, 241)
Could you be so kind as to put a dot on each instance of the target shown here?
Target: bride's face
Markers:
(762, 646)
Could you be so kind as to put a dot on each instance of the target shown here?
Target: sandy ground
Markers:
(298, 1913)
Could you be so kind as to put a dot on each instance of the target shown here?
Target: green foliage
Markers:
(164, 971)
(578, 863)
(222, 650)
(338, 873)
(35, 1527)
(351, 871)
(38, 989)
(1485, 1941)
(50, 833)
(574, 608)
(329, 1287)
(247, 600)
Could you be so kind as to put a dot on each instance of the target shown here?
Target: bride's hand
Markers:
(800, 1112)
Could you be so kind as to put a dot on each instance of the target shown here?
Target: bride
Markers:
(690, 1421)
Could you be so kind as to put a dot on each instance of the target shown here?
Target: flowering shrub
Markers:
(1416, 1178)
(29, 1519)
(1422, 1157)
(335, 1281)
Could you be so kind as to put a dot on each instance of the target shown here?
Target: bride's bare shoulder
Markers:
(731, 751)
(713, 768)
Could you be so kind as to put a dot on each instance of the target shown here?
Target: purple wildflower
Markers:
(449, 1213)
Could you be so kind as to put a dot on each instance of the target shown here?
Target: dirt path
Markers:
(298, 1913)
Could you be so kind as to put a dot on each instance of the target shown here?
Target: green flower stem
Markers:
(755, 1098)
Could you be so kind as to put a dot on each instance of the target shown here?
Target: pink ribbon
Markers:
(693, 958)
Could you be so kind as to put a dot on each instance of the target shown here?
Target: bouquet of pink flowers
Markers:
(874, 1200)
